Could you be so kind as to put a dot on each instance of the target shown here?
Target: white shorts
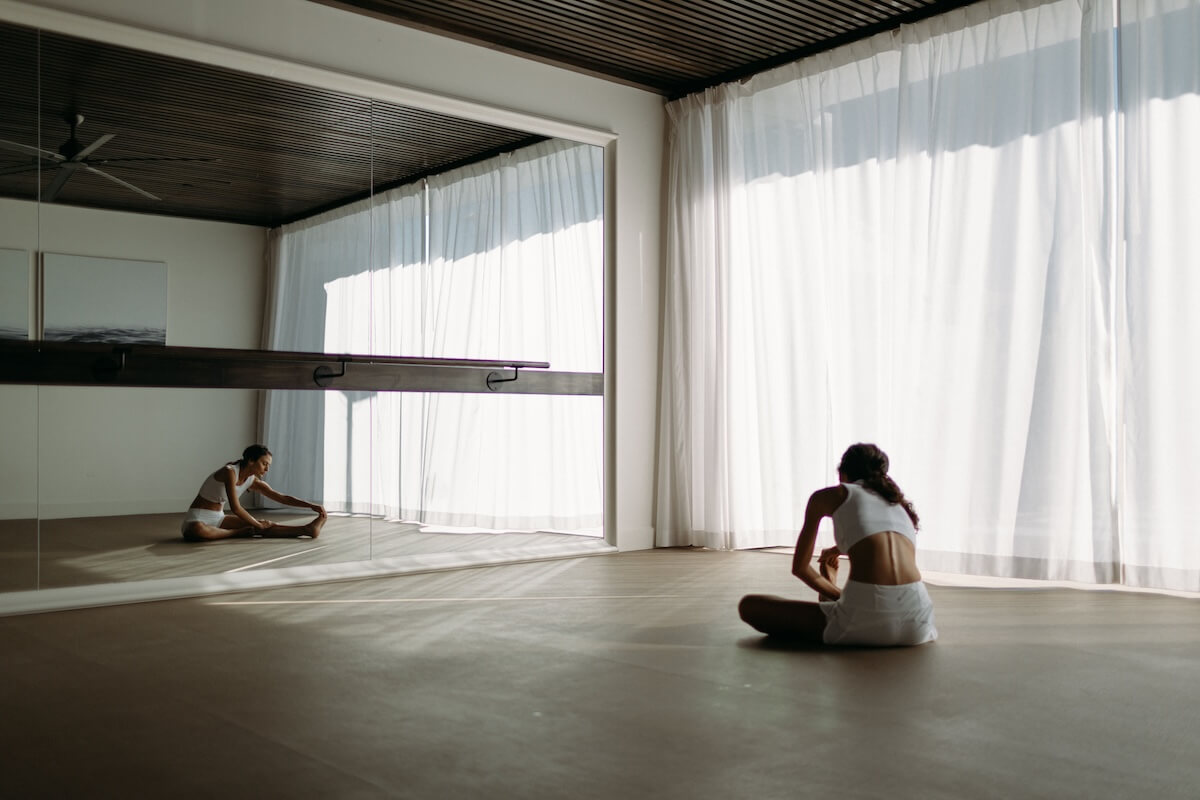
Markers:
(871, 614)
(207, 516)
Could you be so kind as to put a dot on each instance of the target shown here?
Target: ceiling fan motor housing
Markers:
(71, 147)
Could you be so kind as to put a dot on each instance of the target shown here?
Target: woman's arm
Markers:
(822, 504)
(828, 561)
(235, 503)
(266, 491)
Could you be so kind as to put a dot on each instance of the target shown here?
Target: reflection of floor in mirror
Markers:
(18, 554)
(90, 550)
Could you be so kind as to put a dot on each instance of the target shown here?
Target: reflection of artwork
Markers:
(14, 294)
(89, 299)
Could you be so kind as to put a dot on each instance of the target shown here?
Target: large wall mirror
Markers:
(160, 201)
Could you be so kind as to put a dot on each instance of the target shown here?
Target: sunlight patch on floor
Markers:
(991, 582)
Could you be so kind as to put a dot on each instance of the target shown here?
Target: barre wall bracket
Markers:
(494, 379)
(323, 376)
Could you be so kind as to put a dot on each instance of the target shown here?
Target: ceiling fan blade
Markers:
(24, 148)
(20, 169)
(115, 179)
(91, 148)
(65, 171)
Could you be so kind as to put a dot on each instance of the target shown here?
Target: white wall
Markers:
(18, 404)
(105, 451)
(306, 33)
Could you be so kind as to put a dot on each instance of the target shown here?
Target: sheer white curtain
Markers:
(907, 241)
(502, 259)
(303, 259)
(762, 191)
(1006, 407)
(1160, 102)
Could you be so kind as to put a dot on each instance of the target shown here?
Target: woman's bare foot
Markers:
(314, 528)
(274, 530)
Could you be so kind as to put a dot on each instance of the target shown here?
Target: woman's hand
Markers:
(318, 508)
(828, 561)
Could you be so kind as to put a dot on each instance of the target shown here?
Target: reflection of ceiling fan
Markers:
(72, 157)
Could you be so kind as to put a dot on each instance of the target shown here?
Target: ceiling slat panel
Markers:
(634, 34)
(577, 36)
(668, 46)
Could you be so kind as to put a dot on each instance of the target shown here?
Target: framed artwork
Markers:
(115, 300)
(14, 294)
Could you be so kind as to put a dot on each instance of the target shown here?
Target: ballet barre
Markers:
(165, 366)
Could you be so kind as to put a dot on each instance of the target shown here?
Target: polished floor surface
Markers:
(618, 676)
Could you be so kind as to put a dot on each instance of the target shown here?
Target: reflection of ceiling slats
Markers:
(278, 151)
(673, 47)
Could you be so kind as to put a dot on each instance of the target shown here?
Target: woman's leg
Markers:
(790, 619)
(196, 531)
(277, 531)
(233, 526)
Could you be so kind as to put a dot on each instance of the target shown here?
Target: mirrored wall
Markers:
(151, 201)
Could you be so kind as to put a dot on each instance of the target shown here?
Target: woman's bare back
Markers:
(887, 558)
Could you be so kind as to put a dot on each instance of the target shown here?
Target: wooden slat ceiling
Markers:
(673, 47)
(270, 151)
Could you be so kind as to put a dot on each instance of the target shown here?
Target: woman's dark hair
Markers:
(867, 463)
(253, 453)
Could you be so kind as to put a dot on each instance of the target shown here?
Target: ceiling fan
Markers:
(72, 157)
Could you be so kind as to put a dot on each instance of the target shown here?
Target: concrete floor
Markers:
(604, 677)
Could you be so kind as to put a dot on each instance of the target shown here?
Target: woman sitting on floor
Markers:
(207, 519)
(884, 602)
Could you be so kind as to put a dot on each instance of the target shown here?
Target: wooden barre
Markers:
(98, 364)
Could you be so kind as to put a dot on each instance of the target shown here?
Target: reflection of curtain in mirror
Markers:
(892, 242)
(502, 259)
(302, 259)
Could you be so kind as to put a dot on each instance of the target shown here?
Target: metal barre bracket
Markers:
(494, 378)
(323, 376)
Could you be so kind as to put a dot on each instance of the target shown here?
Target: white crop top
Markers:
(213, 490)
(865, 513)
